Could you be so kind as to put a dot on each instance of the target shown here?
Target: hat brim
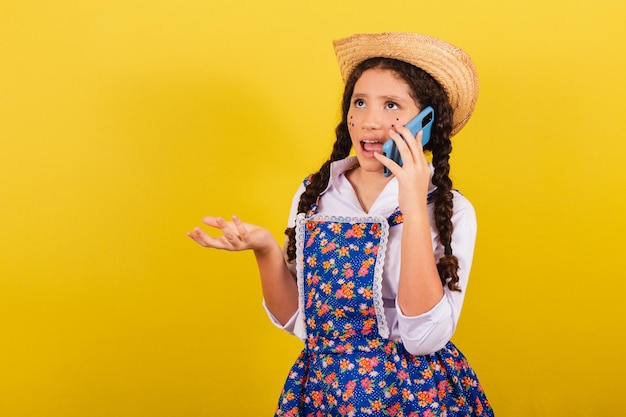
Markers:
(449, 65)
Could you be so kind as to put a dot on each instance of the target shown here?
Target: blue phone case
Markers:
(424, 122)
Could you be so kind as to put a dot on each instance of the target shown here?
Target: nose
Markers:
(372, 119)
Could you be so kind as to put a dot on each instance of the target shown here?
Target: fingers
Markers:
(241, 228)
(410, 146)
(203, 239)
(234, 234)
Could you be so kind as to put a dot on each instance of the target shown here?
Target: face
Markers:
(381, 101)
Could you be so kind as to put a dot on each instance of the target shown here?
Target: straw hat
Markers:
(447, 64)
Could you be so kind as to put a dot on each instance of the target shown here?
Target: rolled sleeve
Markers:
(289, 327)
(428, 332)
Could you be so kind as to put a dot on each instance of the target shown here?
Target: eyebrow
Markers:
(384, 97)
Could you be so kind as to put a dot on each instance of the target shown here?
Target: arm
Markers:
(419, 286)
(428, 332)
(427, 311)
(280, 290)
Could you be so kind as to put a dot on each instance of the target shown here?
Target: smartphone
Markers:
(424, 122)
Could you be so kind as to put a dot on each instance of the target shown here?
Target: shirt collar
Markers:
(340, 167)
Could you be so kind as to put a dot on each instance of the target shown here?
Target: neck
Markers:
(367, 185)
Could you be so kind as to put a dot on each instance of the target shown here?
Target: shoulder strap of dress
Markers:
(314, 206)
(396, 217)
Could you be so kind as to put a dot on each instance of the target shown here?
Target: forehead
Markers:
(381, 81)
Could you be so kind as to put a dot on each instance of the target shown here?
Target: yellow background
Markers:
(122, 123)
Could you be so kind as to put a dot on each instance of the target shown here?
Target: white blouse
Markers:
(427, 332)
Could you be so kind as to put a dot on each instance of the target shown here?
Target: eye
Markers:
(359, 103)
(391, 105)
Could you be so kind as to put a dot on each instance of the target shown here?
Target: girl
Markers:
(375, 267)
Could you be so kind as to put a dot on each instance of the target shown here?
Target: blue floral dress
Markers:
(348, 366)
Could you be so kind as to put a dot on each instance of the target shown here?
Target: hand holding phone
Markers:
(423, 121)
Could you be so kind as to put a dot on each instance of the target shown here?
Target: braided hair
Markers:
(426, 91)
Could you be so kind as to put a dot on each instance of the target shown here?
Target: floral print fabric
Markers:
(348, 367)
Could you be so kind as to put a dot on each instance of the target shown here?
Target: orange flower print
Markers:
(327, 326)
(309, 298)
(328, 360)
(330, 378)
(393, 410)
(343, 251)
(345, 365)
(326, 288)
(479, 407)
(390, 366)
(312, 261)
(427, 373)
(367, 293)
(312, 279)
(367, 365)
(443, 387)
(374, 343)
(423, 398)
(345, 348)
(329, 247)
(407, 395)
(318, 374)
(349, 392)
(347, 410)
(402, 375)
(314, 234)
(325, 308)
(328, 264)
(359, 230)
(292, 412)
(376, 405)
(468, 382)
(368, 326)
(370, 249)
(348, 331)
(318, 398)
(345, 291)
(367, 385)
(335, 227)
(367, 310)
(347, 271)
(347, 395)
(339, 313)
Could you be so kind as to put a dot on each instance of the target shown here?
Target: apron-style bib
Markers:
(348, 366)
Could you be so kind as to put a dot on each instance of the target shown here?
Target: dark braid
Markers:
(426, 92)
(317, 183)
(448, 265)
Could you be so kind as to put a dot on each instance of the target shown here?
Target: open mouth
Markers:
(372, 146)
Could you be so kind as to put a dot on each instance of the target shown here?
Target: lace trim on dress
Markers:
(301, 220)
(300, 331)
